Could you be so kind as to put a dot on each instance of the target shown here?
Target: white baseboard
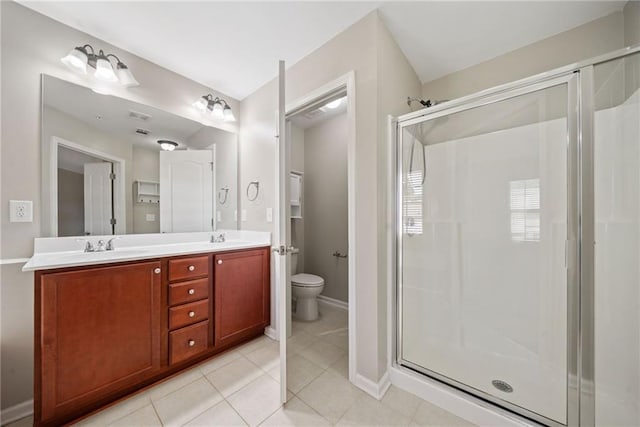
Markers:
(374, 389)
(16, 412)
(333, 302)
(458, 403)
(271, 333)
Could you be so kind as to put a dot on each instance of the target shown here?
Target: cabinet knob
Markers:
(192, 314)
(192, 343)
(157, 271)
(219, 261)
(191, 291)
(192, 268)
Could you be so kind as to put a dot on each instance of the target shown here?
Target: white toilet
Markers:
(304, 290)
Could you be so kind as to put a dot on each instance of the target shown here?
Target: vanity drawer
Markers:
(188, 314)
(193, 290)
(188, 268)
(188, 342)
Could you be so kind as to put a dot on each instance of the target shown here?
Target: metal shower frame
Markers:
(579, 80)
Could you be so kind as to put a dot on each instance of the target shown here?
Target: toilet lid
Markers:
(307, 280)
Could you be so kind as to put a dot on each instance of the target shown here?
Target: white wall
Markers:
(33, 44)
(325, 205)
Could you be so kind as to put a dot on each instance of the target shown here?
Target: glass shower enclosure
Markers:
(518, 244)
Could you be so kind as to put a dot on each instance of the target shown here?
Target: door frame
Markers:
(345, 82)
(119, 206)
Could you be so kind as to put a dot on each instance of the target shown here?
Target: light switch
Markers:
(244, 214)
(150, 217)
(235, 215)
(20, 211)
(219, 216)
(269, 214)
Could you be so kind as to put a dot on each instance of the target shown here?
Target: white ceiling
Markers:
(233, 46)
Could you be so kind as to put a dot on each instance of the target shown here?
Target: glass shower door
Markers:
(487, 239)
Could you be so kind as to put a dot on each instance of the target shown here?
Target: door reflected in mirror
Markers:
(104, 172)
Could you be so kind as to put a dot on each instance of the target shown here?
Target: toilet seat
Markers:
(305, 280)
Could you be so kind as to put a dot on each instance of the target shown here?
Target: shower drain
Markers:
(502, 386)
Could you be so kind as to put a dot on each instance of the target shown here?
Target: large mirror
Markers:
(104, 170)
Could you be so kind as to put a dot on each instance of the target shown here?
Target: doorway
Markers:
(320, 294)
(86, 191)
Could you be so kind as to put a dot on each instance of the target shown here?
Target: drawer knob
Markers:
(192, 314)
(157, 271)
(192, 268)
(191, 291)
(219, 261)
(192, 343)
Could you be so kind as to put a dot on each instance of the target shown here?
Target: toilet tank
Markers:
(294, 260)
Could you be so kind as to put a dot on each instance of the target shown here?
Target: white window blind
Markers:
(524, 196)
(413, 203)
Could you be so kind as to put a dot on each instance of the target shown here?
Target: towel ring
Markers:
(255, 184)
(226, 194)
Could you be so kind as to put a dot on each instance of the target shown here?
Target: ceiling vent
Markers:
(137, 115)
(141, 131)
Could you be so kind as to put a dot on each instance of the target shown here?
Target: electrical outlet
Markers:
(219, 216)
(244, 215)
(150, 217)
(269, 214)
(20, 211)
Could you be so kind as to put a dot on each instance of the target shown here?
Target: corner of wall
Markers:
(631, 13)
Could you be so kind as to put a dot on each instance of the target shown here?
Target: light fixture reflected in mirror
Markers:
(334, 104)
(81, 56)
(167, 145)
(217, 107)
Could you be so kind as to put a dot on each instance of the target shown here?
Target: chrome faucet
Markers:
(218, 239)
(110, 246)
(88, 246)
(100, 246)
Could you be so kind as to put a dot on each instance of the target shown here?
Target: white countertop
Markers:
(62, 252)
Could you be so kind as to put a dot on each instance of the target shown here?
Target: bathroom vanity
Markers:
(108, 324)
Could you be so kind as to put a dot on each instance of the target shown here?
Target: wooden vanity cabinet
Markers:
(99, 332)
(242, 294)
(103, 332)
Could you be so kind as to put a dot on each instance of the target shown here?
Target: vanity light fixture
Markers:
(217, 107)
(167, 145)
(81, 56)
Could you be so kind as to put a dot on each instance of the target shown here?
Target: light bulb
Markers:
(228, 114)
(217, 110)
(76, 60)
(201, 104)
(125, 77)
(167, 147)
(104, 70)
(334, 104)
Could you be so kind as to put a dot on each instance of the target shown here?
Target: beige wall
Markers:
(146, 167)
(70, 203)
(631, 13)
(591, 39)
(33, 44)
(325, 205)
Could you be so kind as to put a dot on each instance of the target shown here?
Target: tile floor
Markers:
(241, 387)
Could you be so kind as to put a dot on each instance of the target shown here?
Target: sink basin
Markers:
(80, 256)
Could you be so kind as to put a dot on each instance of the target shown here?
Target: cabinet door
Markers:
(241, 294)
(99, 333)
